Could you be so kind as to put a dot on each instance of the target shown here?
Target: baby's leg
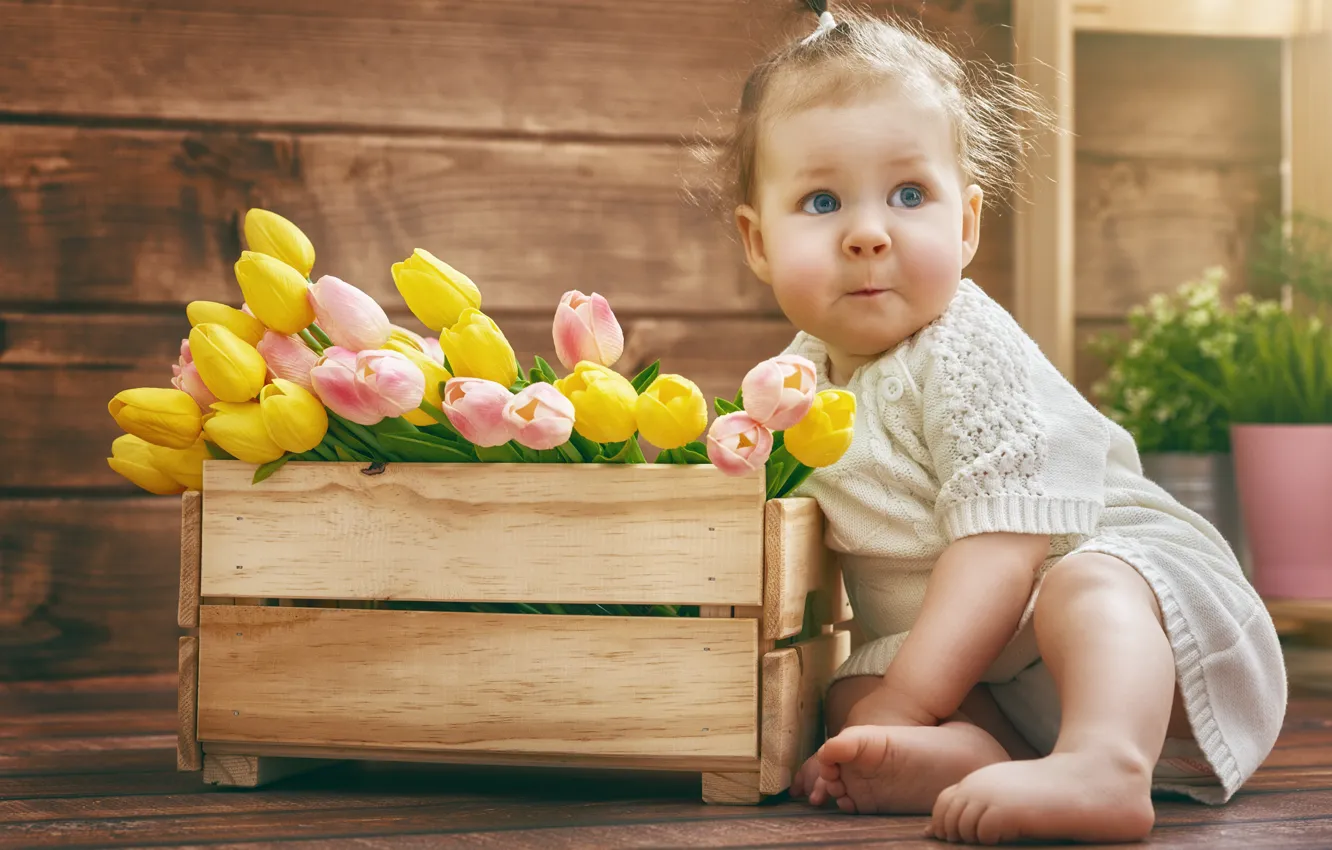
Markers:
(1099, 631)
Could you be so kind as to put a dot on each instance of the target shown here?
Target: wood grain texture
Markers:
(152, 217)
(253, 771)
(1271, 19)
(67, 798)
(732, 789)
(1307, 120)
(189, 756)
(599, 67)
(795, 565)
(479, 683)
(795, 680)
(88, 586)
(484, 532)
(1044, 289)
(191, 533)
(1145, 227)
(1187, 100)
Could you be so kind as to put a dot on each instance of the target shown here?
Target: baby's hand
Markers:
(808, 783)
(886, 706)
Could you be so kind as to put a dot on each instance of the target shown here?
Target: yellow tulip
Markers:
(275, 292)
(604, 402)
(434, 373)
(824, 434)
(160, 416)
(476, 348)
(671, 412)
(228, 365)
(183, 465)
(269, 233)
(239, 429)
(239, 322)
(295, 419)
(132, 458)
(435, 292)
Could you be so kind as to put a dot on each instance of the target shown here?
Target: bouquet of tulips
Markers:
(313, 370)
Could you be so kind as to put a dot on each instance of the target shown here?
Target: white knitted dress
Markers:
(967, 428)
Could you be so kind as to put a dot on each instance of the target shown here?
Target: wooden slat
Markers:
(1043, 253)
(609, 67)
(130, 216)
(1179, 99)
(1272, 19)
(253, 771)
(1307, 119)
(732, 789)
(189, 757)
(1145, 227)
(191, 532)
(795, 680)
(58, 431)
(89, 586)
(484, 532)
(644, 686)
(796, 564)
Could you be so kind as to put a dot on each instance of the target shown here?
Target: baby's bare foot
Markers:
(1092, 797)
(902, 769)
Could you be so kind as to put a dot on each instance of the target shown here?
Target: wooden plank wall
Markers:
(1178, 166)
(537, 146)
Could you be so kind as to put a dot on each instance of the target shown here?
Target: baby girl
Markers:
(1049, 636)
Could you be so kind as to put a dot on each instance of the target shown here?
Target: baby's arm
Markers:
(973, 603)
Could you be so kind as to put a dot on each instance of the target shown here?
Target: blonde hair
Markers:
(859, 51)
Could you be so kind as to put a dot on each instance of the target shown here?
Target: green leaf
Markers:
(794, 480)
(218, 452)
(394, 425)
(534, 376)
(569, 453)
(498, 454)
(269, 468)
(518, 384)
(739, 398)
(447, 368)
(345, 455)
(324, 451)
(723, 407)
(589, 449)
(695, 452)
(547, 373)
(644, 379)
(422, 448)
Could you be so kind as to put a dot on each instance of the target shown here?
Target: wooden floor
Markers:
(92, 764)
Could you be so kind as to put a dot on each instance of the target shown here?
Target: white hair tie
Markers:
(826, 23)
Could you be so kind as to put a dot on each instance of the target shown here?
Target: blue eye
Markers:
(821, 203)
(907, 196)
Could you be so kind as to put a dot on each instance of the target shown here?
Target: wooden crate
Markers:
(298, 657)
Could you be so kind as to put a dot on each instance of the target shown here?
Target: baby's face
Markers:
(861, 223)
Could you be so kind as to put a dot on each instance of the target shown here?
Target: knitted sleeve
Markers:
(1015, 447)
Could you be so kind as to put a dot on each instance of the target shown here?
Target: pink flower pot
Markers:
(1284, 476)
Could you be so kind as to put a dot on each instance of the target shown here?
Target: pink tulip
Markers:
(779, 391)
(368, 386)
(352, 319)
(393, 378)
(185, 376)
(476, 408)
(585, 329)
(540, 417)
(737, 444)
(288, 358)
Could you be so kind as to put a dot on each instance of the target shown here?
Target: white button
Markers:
(892, 388)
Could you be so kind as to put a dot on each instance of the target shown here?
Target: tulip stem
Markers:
(635, 451)
(347, 438)
(312, 342)
(319, 334)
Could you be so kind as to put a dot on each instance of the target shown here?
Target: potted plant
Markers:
(1161, 385)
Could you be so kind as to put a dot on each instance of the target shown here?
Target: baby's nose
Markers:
(867, 242)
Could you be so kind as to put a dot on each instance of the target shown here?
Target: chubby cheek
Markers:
(930, 267)
(803, 273)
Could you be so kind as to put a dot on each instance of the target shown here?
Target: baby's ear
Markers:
(756, 254)
(972, 198)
